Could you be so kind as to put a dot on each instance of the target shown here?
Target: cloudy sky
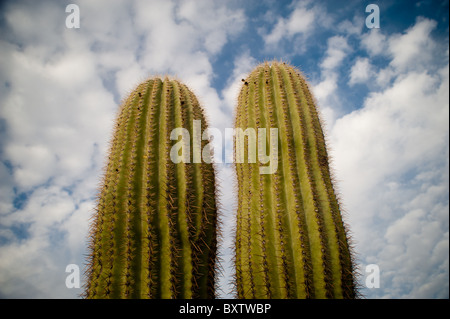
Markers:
(383, 94)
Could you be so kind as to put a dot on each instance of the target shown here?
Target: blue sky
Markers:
(383, 94)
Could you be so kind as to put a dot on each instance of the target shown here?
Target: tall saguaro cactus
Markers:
(290, 238)
(154, 232)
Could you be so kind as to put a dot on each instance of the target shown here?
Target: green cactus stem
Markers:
(291, 241)
(154, 231)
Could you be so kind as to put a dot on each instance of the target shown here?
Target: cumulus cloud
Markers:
(37, 255)
(374, 42)
(353, 27)
(299, 21)
(391, 157)
(361, 71)
(407, 132)
(290, 33)
(216, 21)
(415, 47)
(337, 50)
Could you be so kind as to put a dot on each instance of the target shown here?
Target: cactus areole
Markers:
(290, 240)
(153, 234)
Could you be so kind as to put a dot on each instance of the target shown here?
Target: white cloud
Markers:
(214, 20)
(299, 25)
(35, 163)
(391, 159)
(300, 21)
(325, 88)
(36, 27)
(417, 244)
(182, 37)
(374, 42)
(36, 261)
(337, 50)
(351, 27)
(361, 71)
(397, 129)
(53, 108)
(413, 48)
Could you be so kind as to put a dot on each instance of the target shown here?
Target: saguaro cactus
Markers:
(154, 231)
(291, 241)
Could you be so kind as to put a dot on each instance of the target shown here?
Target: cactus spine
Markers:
(154, 232)
(290, 238)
